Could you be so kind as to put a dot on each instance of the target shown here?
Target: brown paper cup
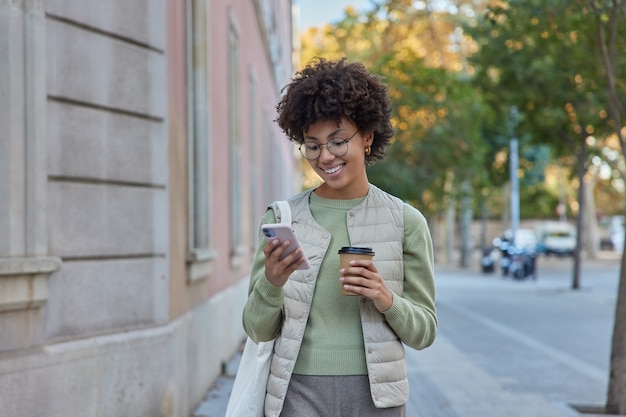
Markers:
(348, 253)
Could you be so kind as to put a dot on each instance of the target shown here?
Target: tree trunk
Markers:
(581, 162)
(449, 229)
(591, 234)
(616, 398)
(434, 224)
(483, 224)
(467, 245)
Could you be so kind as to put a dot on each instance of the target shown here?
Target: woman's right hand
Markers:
(277, 271)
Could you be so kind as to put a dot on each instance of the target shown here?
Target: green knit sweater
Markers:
(333, 339)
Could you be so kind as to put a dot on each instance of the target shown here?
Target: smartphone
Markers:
(283, 232)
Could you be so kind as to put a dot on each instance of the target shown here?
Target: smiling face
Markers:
(344, 176)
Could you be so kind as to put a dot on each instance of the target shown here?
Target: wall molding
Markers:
(24, 281)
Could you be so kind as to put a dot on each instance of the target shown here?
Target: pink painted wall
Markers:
(275, 176)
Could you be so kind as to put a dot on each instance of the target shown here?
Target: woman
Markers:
(338, 355)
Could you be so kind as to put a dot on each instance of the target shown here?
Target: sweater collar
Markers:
(314, 199)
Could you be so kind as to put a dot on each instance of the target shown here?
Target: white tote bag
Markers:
(247, 399)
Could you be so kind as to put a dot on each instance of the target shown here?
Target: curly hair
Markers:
(329, 90)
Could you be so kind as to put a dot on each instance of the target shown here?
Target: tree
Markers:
(534, 55)
(610, 17)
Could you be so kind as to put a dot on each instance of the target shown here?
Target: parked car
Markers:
(558, 238)
(617, 233)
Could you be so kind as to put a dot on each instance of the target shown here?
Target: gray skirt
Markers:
(333, 396)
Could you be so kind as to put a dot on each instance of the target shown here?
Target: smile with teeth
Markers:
(334, 169)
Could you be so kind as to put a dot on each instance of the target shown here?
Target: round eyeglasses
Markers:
(336, 146)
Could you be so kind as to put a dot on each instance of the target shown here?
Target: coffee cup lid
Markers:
(356, 250)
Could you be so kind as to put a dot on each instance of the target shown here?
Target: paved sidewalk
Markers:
(452, 386)
(216, 400)
(448, 381)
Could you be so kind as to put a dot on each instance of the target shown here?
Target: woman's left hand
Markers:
(362, 278)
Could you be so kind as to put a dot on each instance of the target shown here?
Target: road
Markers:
(531, 337)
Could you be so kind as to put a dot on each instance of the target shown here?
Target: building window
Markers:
(234, 136)
(253, 137)
(199, 184)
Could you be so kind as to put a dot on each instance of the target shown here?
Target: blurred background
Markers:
(498, 126)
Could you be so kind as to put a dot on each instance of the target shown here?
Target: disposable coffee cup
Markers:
(349, 253)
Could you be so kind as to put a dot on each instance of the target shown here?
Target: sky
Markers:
(319, 12)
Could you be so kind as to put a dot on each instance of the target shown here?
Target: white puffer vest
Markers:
(377, 222)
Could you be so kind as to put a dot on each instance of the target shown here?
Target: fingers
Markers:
(362, 268)
(363, 278)
(274, 251)
(278, 270)
(359, 277)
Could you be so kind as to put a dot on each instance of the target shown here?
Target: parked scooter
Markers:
(522, 263)
(505, 259)
(489, 259)
(517, 262)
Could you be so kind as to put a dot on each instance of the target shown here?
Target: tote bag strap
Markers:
(284, 211)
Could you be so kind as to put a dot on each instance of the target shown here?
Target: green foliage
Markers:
(437, 112)
(541, 57)
(537, 159)
(542, 60)
(537, 202)
(452, 108)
